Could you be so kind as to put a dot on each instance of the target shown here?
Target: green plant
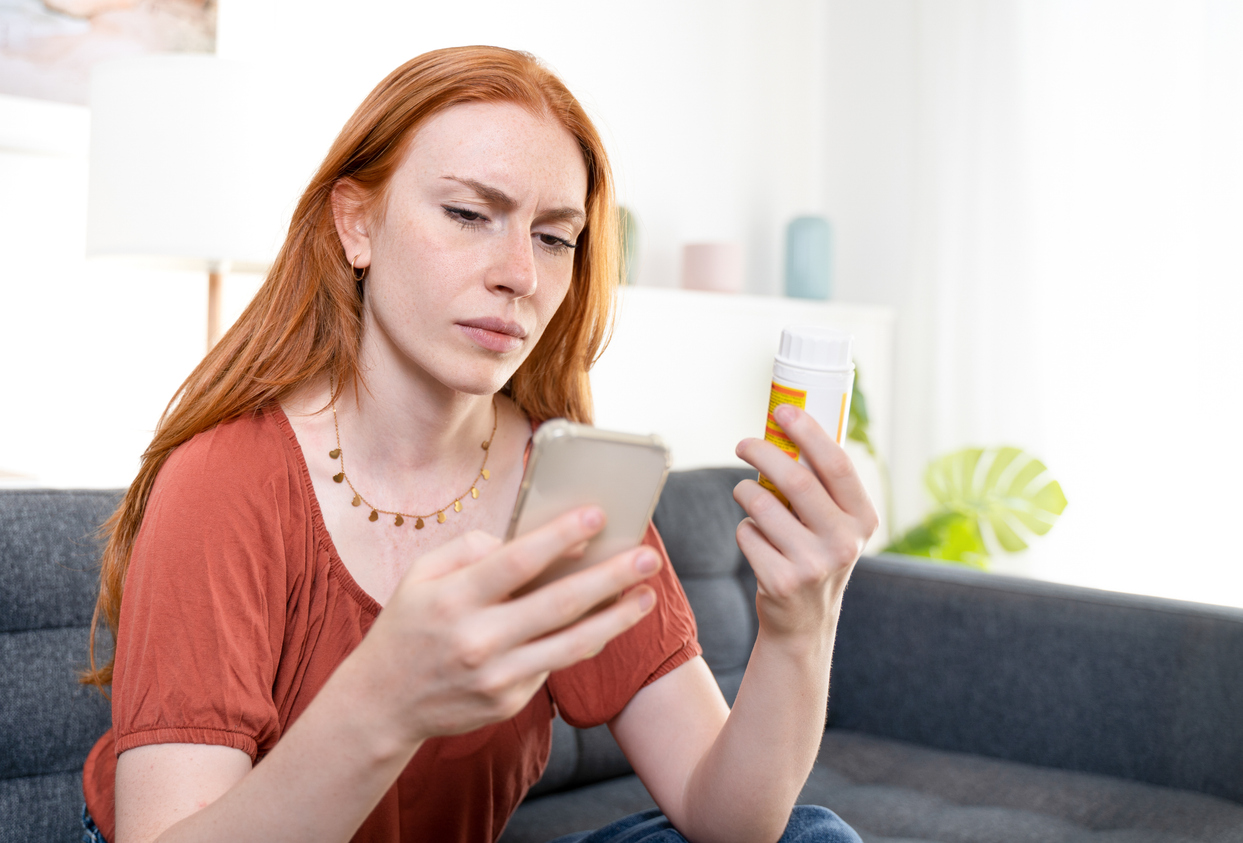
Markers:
(858, 424)
(1003, 493)
(858, 429)
(628, 232)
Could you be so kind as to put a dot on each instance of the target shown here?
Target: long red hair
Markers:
(306, 320)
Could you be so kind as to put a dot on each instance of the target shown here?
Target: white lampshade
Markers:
(178, 167)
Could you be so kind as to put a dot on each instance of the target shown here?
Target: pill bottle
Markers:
(814, 372)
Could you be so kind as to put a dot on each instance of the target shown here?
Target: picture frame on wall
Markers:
(48, 47)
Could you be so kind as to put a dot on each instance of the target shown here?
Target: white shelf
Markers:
(696, 368)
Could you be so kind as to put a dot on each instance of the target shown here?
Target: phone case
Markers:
(576, 465)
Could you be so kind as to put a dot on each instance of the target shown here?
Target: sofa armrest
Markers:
(1080, 679)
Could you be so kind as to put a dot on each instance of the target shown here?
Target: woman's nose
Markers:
(514, 268)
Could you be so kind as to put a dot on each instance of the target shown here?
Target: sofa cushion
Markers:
(49, 556)
(697, 517)
(895, 792)
(50, 720)
(42, 809)
(588, 807)
(890, 790)
(49, 576)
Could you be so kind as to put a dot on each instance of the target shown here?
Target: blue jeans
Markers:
(808, 824)
(90, 831)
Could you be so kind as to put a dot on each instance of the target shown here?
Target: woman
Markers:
(355, 443)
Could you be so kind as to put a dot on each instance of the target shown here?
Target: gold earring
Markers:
(359, 275)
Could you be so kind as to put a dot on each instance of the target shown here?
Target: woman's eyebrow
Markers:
(498, 198)
(570, 215)
(492, 195)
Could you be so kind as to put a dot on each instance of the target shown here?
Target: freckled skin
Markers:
(475, 225)
(430, 268)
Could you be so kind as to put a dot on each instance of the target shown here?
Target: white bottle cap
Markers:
(815, 347)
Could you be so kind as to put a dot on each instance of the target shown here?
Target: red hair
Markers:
(306, 320)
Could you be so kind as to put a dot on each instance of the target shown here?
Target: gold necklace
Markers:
(400, 517)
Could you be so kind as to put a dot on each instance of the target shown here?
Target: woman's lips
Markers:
(494, 334)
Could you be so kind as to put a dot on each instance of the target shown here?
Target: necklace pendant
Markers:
(398, 518)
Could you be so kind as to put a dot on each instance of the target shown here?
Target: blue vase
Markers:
(809, 252)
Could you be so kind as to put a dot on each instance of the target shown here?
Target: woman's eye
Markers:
(556, 244)
(467, 218)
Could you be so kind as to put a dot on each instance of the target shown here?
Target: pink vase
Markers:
(716, 267)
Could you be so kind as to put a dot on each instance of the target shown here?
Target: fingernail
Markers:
(647, 598)
(593, 517)
(647, 561)
(784, 414)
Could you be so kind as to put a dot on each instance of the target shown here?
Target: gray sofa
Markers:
(965, 707)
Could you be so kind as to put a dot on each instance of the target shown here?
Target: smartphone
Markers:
(574, 465)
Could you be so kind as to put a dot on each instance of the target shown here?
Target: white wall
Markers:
(89, 353)
(708, 109)
(869, 124)
(724, 120)
(1137, 174)
(1051, 194)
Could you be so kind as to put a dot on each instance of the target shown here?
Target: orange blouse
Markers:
(237, 609)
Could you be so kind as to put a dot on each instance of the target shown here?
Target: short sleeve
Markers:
(203, 611)
(596, 690)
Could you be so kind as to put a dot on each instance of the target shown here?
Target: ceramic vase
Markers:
(716, 267)
(809, 258)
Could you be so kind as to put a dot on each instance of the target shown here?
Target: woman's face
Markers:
(474, 251)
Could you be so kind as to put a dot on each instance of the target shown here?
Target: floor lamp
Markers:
(177, 173)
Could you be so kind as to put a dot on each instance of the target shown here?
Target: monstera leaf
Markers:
(946, 535)
(1003, 489)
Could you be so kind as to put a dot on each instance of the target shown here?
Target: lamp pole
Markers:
(215, 290)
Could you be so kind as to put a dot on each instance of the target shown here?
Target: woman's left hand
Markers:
(733, 772)
(802, 557)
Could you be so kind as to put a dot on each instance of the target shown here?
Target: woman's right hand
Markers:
(453, 652)
(449, 653)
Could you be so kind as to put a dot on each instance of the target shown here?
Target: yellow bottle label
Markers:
(841, 417)
(781, 394)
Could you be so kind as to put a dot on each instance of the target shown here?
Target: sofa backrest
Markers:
(1074, 678)
(49, 577)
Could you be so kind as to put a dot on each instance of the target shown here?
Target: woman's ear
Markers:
(349, 214)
